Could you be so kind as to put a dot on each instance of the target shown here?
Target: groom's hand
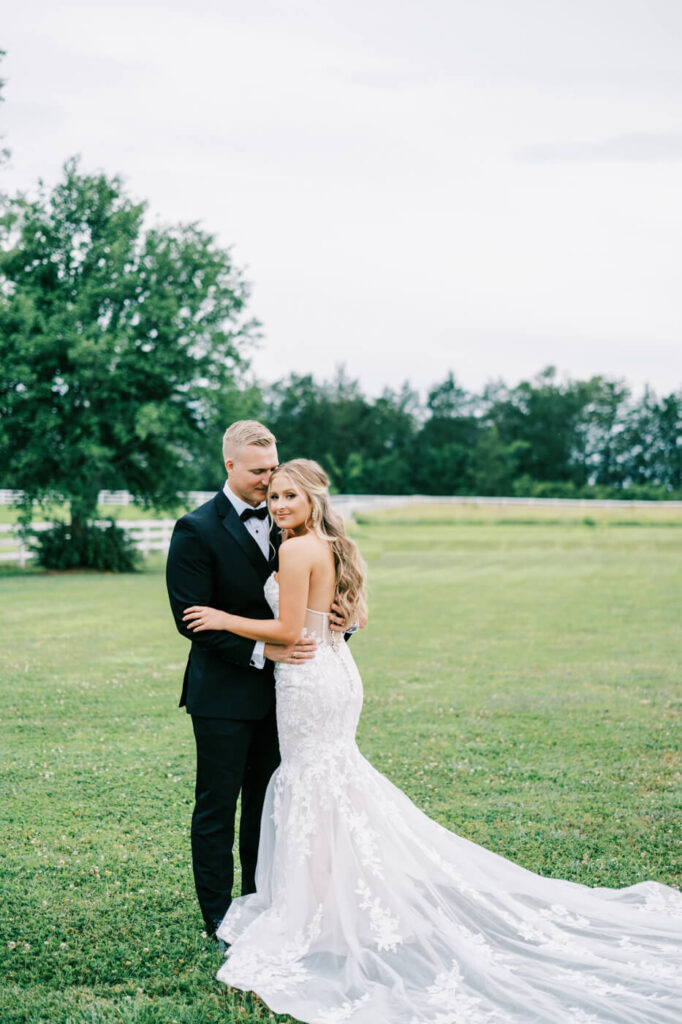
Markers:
(303, 649)
(336, 620)
(338, 623)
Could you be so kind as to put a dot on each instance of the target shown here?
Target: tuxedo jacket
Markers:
(213, 560)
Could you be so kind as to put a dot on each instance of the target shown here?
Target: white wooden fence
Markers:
(155, 534)
(147, 535)
(12, 547)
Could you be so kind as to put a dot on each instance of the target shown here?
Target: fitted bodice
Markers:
(318, 699)
(316, 623)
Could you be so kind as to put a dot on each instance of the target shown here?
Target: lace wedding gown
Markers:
(368, 911)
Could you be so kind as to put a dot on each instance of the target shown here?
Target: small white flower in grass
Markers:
(11, 945)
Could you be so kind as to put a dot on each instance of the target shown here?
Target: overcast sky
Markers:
(486, 186)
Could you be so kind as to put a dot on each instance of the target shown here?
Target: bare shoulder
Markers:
(309, 549)
(296, 549)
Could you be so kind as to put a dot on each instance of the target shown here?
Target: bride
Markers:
(368, 911)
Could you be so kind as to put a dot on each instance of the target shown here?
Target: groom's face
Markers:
(249, 472)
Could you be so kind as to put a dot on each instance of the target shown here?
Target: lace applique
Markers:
(527, 928)
(365, 840)
(448, 869)
(582, 1017)
(324, 782)
(477, 941)
(230, 929)
(368, 911)
(344, 1012)
(298, 822)
(583, 979)
(667, 947)
(284, 969)
(446, 992)
(658, 971)
(449, 995)
(557, 912)
(383, 924)
(664, 901)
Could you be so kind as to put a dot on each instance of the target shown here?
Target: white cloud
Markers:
(486, 187)
(637, 146)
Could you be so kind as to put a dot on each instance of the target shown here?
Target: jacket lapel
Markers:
(235, 527)
(275, 541)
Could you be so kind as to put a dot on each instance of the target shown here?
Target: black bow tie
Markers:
(260, 513)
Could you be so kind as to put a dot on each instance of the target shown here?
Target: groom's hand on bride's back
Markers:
(338, 623)
(302, 650)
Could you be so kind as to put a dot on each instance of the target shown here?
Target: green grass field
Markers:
(463, 513)
(522, 685)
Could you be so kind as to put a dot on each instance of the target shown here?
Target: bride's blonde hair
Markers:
(328, 525)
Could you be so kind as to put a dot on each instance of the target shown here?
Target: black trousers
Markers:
(232, 755)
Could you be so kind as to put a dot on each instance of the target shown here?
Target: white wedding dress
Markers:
(368, 911)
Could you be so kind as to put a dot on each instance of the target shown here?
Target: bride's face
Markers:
(290, 507)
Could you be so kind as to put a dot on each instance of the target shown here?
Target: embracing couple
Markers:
(355, 905)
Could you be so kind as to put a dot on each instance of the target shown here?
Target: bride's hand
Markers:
(200, 617)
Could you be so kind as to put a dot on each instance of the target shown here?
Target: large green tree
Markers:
(118, 341)
(543, 417)
(605, 437)
(651, 441)
(444, 461)
(363, 443)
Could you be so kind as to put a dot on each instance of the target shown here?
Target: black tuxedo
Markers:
(213, 560)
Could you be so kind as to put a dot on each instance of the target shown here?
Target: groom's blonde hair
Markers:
(244, 432)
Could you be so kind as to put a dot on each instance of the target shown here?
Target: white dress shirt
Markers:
(260, 531)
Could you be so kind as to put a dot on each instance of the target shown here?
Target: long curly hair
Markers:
(328, 525)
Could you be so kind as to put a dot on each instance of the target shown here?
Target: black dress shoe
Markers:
(211, 929)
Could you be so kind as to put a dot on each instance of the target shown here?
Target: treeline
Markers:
(545, 437)
(125, 352)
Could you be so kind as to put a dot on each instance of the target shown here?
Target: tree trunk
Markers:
(83, 509)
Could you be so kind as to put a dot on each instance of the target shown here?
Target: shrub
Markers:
(107, 549)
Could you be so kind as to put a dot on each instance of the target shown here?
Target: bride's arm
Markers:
(294, 579)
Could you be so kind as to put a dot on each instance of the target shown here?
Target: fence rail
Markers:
(146, 534)
(155, 534)
(194, 498)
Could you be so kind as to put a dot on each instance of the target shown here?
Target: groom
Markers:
(221, 555)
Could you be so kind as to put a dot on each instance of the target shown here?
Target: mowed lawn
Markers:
(522, 685)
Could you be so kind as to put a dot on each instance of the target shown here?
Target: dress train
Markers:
(367, 911)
